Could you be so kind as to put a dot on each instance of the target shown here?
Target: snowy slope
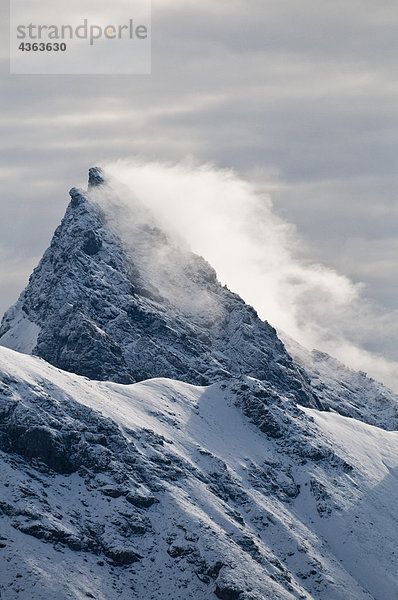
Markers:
(162, 489)
(22, 337)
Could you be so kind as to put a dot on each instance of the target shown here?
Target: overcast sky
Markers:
(300, 97)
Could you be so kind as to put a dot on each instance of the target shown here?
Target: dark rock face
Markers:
(102, 316)
(51, 441)
(122, 557)
(140, 500)
(227, 593)
(286, 424)
(95, 176)
(62, 443)
(77, 197)
(92, 243)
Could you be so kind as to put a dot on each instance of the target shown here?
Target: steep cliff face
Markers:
(124, 302)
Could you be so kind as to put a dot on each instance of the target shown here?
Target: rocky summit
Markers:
(128, 309)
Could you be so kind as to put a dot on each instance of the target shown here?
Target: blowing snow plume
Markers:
(163, 265)
(256, 253)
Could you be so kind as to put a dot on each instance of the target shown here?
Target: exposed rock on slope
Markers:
(176, 491)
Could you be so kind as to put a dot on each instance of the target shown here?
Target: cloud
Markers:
(13, 272)
(256, 253)
(159, 265)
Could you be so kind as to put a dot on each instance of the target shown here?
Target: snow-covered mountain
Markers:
(126, 308)
(163, 443)
(116, 298)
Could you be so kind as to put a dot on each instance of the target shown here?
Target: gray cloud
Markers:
(300, 98)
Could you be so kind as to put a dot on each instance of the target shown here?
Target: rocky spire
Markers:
(76, 196)
(128, 312)
(95, 177)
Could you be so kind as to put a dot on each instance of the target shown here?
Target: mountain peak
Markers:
(95, 177)
(77, 196)
(116, 298)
